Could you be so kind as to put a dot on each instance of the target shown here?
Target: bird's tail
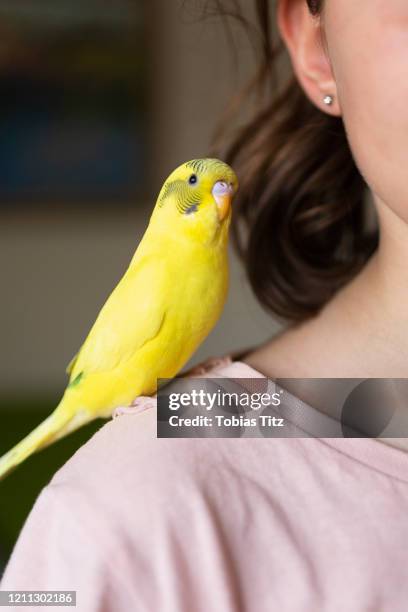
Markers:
(60, 422)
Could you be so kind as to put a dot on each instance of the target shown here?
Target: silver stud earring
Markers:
(328, 99)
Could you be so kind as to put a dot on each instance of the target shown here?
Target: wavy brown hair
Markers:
(299, 215)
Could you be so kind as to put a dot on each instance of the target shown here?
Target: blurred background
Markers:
(100, 100)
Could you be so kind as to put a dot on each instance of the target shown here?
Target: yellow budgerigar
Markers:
(166, 303)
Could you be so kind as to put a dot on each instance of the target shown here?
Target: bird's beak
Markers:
(222, 193)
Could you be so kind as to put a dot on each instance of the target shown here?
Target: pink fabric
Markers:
(135, 524)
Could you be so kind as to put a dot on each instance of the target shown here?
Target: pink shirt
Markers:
(135, 524)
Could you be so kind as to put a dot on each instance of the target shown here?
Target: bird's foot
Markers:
(207, 365)
(141, 403)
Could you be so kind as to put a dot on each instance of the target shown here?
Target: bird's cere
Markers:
(222, 193)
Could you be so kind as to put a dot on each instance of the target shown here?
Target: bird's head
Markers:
(196, 199)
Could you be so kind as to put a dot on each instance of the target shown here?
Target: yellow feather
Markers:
(167, 302)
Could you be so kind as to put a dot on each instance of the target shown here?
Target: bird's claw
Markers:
(207, 365)
(139, 404)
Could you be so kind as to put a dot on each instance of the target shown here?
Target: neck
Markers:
(158, 237)
(371, 312)
(362, 332)
(366, 323)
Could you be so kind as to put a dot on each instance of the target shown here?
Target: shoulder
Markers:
(111, 512)
(125, 451)
(125, 459)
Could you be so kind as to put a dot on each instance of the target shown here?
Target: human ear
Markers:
(304, 37)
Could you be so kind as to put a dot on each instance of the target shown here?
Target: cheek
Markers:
(369, 56)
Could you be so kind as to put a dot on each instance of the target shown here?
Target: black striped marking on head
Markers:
(201, 165)
(198, 165)
(186, 199)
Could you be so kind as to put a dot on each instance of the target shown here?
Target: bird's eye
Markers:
(192, 179)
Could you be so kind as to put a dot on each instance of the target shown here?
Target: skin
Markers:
(359, 55)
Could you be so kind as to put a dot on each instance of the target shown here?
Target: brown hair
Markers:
(299, 216)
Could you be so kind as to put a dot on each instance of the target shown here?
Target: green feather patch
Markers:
(76, 380)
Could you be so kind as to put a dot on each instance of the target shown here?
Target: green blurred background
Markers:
(99, 102)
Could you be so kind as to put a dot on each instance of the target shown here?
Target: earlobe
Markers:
(304, 38)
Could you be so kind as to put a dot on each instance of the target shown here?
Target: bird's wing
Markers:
(132, 315)
(71, 364)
